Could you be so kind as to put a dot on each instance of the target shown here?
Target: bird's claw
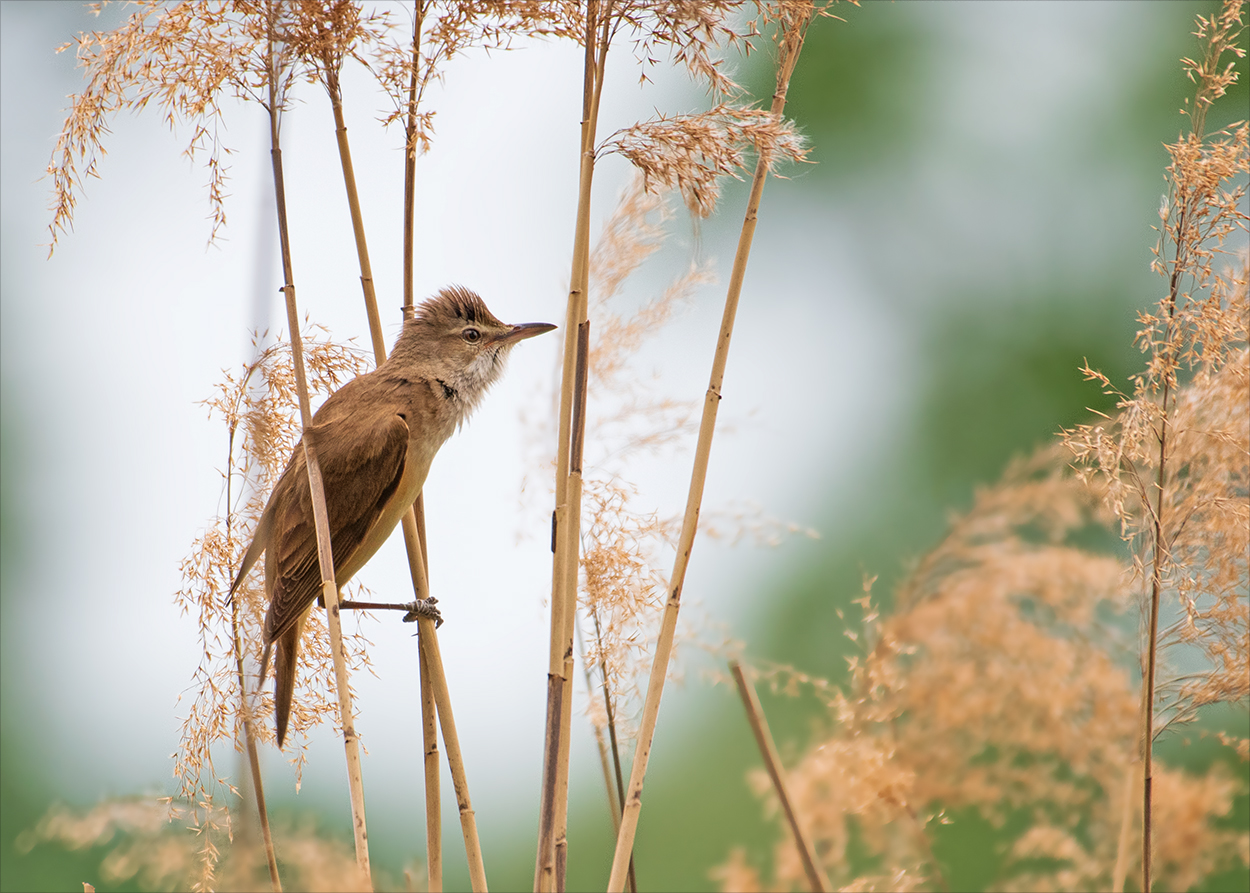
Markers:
(424, 607)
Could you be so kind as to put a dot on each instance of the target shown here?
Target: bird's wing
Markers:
(362, 461)
(260, 538)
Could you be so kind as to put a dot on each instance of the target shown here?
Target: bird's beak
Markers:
(523, 331)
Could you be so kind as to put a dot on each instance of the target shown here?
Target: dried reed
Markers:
(793, 22)
(324, 35)
(1188, 517)
(256, 406)
(149, 851)
(329, 589)
(998, 685)
(186, 56)
(772, 762)
(566, 519)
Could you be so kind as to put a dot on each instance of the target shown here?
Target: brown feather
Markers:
(361, 466)
(284, 661)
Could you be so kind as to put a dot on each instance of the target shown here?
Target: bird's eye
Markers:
(471, 335)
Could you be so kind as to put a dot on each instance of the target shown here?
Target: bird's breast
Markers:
(417, 461)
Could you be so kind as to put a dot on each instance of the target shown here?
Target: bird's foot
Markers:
(424, 607)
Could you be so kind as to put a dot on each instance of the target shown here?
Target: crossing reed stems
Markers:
(329, 589)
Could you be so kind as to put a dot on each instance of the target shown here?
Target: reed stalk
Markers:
(414, 530)
(329, 589)
(791, 44)
(451, 743)
(601, 745)
(410, 162)
(553, 809)
(772, 762)
(245, 707)
(1158, 559)
(435, 678)
(616, 751)
(414, 539)
(253, 759)
(433, 813)
(1158, 546)
(1124, 840)
(358, 224)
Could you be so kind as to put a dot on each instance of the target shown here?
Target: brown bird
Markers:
(375, 438)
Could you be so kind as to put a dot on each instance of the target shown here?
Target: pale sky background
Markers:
(108, 346)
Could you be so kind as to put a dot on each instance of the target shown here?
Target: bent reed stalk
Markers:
(795, 29)
(325, 556)
(772, 762)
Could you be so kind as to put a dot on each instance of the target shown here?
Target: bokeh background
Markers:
(977, 223)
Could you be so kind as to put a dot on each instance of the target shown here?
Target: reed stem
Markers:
(616, 751)
(451, 743)
(410, 160)
(358, 223)
(414, 539)
(791, 45)
(553, 808)
(601, 745)
(433, 809)
(772, 761)
(329, 589)
(1123, 843)
(414, 530)
(245, 707)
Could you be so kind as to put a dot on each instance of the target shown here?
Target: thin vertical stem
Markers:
(414, 530)
(245, 707)
(410, 160)
(1120, 871)
(792, 44)
(1158, 558)
(253, 761)
(451, 743)
(414, 538)
(567, 516)
(772, 761)
(433, 813)
(614, 808)
(358, 223)
(329, 588)
(253, 758)
(432, 661)
(616, 752)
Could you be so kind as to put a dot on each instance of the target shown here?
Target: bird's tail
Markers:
(284, 662)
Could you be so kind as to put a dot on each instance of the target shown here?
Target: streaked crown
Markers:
(453, 306)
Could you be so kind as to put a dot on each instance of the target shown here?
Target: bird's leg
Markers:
(422, 607)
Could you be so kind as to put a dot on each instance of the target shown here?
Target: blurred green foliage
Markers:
(1000, 377)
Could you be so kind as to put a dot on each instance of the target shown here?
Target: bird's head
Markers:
(466, 340)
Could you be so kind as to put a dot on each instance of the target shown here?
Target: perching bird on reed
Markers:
(374, 439)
